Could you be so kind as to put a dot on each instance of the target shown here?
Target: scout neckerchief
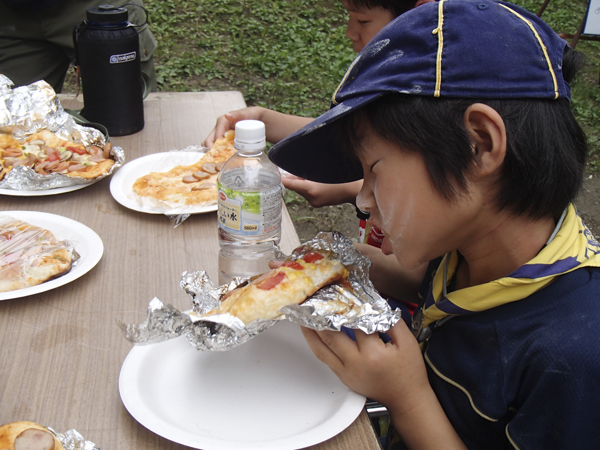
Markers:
(571, 247)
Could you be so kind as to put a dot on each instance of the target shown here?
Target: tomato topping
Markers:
(271, 282)
(293, 264)
(53, 157)
(312, 257)
(78, 150)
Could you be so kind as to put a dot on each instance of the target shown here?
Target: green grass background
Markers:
(289, 55)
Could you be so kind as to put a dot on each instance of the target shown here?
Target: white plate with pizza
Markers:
(176, 182)
(270, 393)
(85, 241)
(121, 184)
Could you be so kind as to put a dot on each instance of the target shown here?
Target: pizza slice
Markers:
(47, 153)
(290, 284)
(30, 255)
(27, 435)
(194, 184)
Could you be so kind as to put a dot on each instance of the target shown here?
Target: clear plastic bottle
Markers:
(250, 203)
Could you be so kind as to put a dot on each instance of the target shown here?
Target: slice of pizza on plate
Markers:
(30, 255)
(290, 284)
(46, 153)
(190, 185)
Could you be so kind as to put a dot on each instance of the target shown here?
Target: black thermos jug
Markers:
(108, 56)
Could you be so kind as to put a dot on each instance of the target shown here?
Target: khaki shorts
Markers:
(39, 45)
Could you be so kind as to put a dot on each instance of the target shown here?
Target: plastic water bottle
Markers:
(250, 202)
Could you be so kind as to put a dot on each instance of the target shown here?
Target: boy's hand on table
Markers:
(227, 122)
(277, 125)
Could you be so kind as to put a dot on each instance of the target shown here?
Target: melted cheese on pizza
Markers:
(290, 284)
(30, 255)
(195, 184)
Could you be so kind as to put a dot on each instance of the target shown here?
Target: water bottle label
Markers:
(249, 213)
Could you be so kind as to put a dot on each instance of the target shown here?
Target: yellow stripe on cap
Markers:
(542, 45)
(333, 100)
(440, 33)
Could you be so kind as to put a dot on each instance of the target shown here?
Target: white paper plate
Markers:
(269, 393)
(122, 181)
(43, 192)
(85, 241)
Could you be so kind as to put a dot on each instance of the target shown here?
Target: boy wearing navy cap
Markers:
(457, 115)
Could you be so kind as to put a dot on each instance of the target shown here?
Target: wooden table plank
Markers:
(62, 350)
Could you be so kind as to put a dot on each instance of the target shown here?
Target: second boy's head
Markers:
(368, 17)
(455, 106)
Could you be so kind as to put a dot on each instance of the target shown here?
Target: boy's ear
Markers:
(487, 132)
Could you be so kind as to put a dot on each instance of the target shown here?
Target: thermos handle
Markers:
(76, 32)
(145, 12)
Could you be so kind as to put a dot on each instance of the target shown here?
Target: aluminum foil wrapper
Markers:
(72, 440)
(354, 304)
(27, 109)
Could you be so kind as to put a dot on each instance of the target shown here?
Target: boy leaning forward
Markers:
(457, 115)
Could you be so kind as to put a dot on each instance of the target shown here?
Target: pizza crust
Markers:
(293, 287)
(30, 255)
(192, 185)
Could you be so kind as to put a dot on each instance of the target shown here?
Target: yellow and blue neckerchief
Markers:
(573, 246)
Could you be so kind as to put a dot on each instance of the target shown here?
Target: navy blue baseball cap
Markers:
(484, 49)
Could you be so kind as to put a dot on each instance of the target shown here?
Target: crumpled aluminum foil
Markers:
(354, 304)
(27, 109)
(72, 440)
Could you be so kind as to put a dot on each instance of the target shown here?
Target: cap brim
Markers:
(314, 152)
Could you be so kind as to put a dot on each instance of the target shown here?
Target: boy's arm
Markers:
(390, 278)
(277, 125)
(393, 374)
(322, 194)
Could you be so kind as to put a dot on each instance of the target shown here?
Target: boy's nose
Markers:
(351, 31)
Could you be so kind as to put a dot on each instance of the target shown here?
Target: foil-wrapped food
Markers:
(219, 320)
(41, 145)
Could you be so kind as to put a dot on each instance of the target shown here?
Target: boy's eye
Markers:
(363, 22)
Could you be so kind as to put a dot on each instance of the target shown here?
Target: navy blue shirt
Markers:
(525, 374)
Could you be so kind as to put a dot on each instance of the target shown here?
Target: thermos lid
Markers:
(108, 14)
(249, 136)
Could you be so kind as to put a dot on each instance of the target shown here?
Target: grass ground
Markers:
(289, 55)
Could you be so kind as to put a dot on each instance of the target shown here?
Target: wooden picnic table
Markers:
(62, 350)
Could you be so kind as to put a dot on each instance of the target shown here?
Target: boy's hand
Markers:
(391, 373)
(227, 122)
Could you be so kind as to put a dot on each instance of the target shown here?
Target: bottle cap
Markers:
(249, 136)
(107, 15)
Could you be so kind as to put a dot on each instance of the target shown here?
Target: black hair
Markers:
(396, 7)
(546, 148)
